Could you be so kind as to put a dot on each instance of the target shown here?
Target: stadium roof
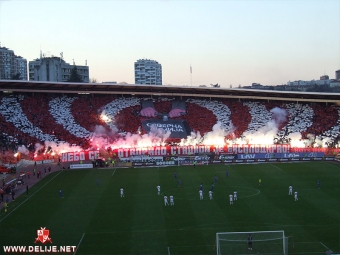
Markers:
(8, 86)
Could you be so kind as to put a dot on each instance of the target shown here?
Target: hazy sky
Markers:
(226, 42)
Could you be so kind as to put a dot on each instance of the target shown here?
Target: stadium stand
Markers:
(37, 112)
(26, 119)
(240, 117)
(86, 111)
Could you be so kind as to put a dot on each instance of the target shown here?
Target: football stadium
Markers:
(138, 169)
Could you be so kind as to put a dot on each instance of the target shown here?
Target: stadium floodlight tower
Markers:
(260, 242)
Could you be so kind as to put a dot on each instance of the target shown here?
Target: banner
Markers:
(167, 163)
(284, 159)
(79, 156)
(203, 149)
(303, 155)
(178, 128)
(80, 166)
(212, 154)
(281, 155)
(143, 163)
(189, 160)
(142, 159)
(225, 157)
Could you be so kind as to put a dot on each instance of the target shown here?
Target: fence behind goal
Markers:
(262, 242)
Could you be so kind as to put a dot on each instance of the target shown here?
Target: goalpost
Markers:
(262, 242)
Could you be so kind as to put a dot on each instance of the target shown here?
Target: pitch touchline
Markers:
(29, 197)
(324, 245)
(276, 167)
(81, 239)
(332, 165)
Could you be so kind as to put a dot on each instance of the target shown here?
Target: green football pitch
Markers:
(97, 220)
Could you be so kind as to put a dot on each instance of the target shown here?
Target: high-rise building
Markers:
(148, 72)
(337, 74)
(54, 69)
(11, 65)
(20, 67)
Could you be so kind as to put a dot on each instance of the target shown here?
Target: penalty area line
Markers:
(29, 197)
(276, 167)
(81, 239)
(113, 172)
(324, 246)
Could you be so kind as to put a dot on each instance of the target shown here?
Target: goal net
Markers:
(259, 243)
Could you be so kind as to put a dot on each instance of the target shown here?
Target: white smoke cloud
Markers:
(310, 140)
(267, 133)
(156, 137)
(322, 142)
(56, 148)
(264, 135)
(296, 141)
(279, 115)
(38, 147)
(61, 147)
(192, 139)
(215, 137)
(102, 137)
(23, 150)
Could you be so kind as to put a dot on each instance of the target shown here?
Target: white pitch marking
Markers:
(324, 246)
(276, 167)
(29, 197)
(333, 165)
(113, 172)
(79, 244)
(258, 191)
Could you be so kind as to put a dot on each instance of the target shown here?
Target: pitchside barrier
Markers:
(226, 159)
(197, 159)
(143, 161)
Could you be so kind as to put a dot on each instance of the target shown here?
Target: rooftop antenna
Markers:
(61, 56)
(190, 75)
(73, 61)
(86, 62)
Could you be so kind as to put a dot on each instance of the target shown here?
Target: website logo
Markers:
(43, 235)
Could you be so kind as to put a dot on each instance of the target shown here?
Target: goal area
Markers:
(258, 242)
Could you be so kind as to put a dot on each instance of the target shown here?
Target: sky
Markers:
(228, 42)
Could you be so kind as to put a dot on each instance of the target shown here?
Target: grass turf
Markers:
(97, 219)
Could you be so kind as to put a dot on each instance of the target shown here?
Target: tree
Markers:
(123, 83)
(75, 77)
(93, 80)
